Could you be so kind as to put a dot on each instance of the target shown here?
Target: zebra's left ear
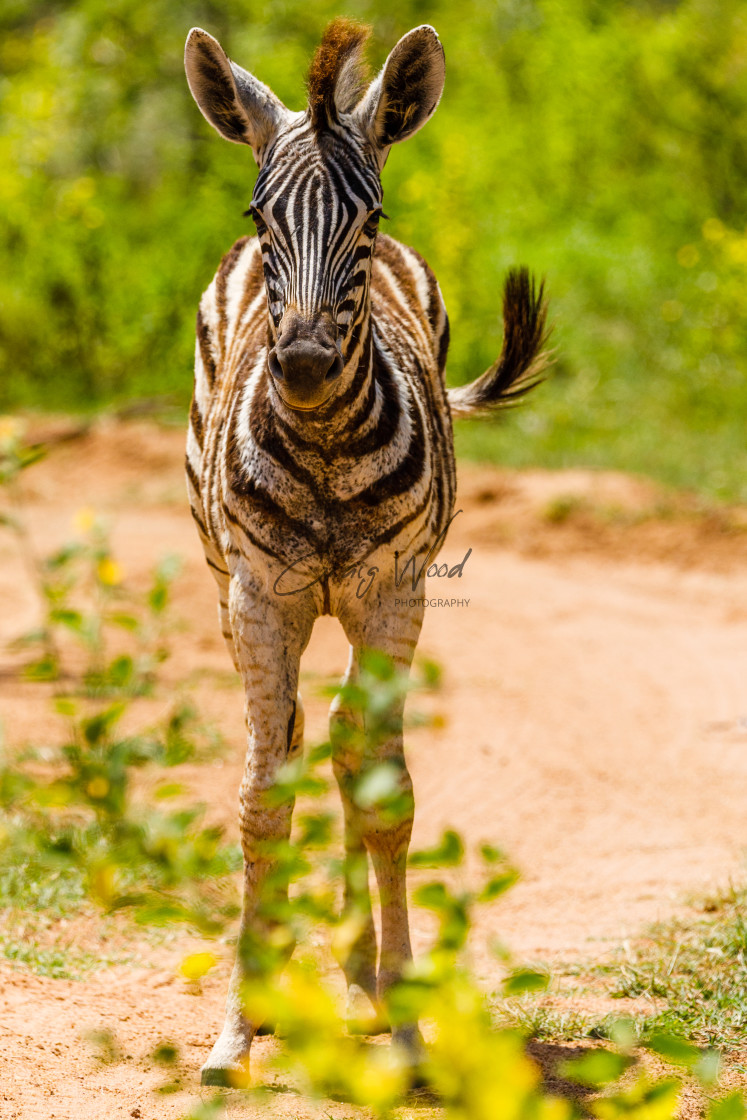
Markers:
(405, 94)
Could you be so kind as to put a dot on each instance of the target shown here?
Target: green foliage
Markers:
(78, 832)
(525, 980)
(71, 828)
(602, 143)
(731, 1107)
(82, 595)
(80, 815)
(596, 1067)
(85, 598)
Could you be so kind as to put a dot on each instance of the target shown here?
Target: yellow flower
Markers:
(103, 883)
(97, 788)
(109, 572)
(11, 429)
(84, 519)
(197, 965)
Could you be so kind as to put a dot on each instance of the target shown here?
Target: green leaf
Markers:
(169, 789)
(97, 727)
(433, 896)
(596, 1067)
(497, 886)
(491, 854)
(158, 598)
(449, 852)
(65, 616)
(29, 455)
(66, 707)
(320, 753)
(378, 664)
(674, 1049)
(406, 1000)
(378, 785)
(120, 671)
(731, 1107)
(45, 669)
(124, 621)
(431, 672)
(525, 980)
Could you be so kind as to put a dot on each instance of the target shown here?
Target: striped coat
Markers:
(377, 472)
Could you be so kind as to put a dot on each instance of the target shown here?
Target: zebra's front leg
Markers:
(268, 644)
(362, 1013)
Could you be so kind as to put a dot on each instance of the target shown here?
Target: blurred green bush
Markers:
(602, 142)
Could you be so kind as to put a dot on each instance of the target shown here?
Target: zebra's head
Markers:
(317, 198)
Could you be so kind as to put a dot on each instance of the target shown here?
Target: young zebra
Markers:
(320, 440)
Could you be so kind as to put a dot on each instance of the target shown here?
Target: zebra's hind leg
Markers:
(296, 729)
(295, 747)
(385, 828)
(363, 1013)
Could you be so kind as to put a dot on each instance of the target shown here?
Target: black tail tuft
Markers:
(523, 357)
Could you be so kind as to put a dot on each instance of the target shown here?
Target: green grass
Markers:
(33, 882)
(547, 1024)
(61, 963)
(696, 971)
(688, 976)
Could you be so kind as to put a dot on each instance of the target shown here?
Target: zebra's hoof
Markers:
(409, 1041)
(363, 1014)
(228, 1063)
(221, 1078)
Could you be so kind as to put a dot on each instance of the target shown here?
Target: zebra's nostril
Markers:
(275, 367)
(335, 369)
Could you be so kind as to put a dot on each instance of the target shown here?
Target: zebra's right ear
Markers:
(407, 91)
(232, 100)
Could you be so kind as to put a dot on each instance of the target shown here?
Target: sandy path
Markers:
(595, 695)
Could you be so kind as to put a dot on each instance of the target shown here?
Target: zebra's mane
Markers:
(338, 72)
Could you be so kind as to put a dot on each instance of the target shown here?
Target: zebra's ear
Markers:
(232, 100)
(406, 92)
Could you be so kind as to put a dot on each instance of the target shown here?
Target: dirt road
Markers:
(595, 704)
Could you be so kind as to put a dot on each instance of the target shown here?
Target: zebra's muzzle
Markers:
(306, 360)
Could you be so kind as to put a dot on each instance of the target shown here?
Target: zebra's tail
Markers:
(523, 357)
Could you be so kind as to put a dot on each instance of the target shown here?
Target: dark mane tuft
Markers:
(338, 72)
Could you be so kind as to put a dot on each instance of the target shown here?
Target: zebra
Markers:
(320, 440)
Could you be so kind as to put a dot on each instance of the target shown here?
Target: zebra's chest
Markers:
(331, 515)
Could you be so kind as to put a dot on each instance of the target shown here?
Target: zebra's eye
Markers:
(256, 217)
(371, 223)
